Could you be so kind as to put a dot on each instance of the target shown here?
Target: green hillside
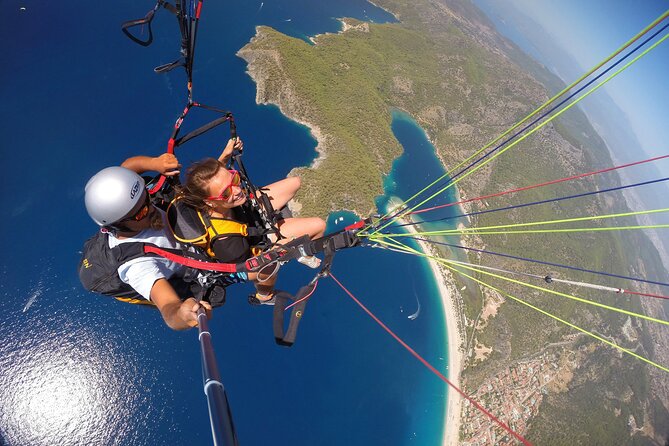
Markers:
(445, 65)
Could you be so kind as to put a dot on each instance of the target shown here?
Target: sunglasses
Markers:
(226, 193)
(141, 213)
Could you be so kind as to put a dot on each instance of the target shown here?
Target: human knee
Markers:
(294, 183)
(319, 226)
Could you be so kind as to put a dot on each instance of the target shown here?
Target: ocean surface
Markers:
(76, 368)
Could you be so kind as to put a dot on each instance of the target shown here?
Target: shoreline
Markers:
(288, 104)
(451, 433)
(447, 290)
(285, 100)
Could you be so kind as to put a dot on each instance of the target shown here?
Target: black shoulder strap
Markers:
(125, 252)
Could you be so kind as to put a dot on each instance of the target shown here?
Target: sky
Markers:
(590, 30)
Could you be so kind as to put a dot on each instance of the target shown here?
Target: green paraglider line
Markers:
(410, 250)
(487, 229)
(522, 138)
(430, 366)
(568, 230)
(582, 330)
(534, 186)
(447, 264)
(550, 279)
(543, 262)
(528, 204)
(554, 98)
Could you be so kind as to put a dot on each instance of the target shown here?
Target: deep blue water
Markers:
(77, 368)
(417, 168)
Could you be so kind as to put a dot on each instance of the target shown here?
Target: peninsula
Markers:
(445, 65)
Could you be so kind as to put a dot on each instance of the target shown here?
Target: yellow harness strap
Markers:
(132, 300)
(192, 226)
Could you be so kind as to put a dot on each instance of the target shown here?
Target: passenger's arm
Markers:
(178, 315)
(230, 147)
(165, 164)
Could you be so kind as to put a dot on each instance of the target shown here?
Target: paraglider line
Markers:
(451, 181)
(556, 293)
(548, 183)
(535, 129)
(449, 265)
(446, 262)
(430, 366)
(582, 330)
(541, 262)
(303, 298)
(549, 279)
(541, 231)
(487, 229)
(550, 200)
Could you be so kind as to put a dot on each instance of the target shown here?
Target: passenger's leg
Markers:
(291, 228)
(281, 192)
(264, 282)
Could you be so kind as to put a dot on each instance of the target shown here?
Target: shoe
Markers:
(253, 300)
(310, 261)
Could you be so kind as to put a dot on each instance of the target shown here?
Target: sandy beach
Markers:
(447, 291)
(454, 338)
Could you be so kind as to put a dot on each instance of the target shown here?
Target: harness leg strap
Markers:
(282, 300)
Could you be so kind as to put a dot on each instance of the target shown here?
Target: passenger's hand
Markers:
(189, 308)
(167, 164)
(232, 145)
(238, 144)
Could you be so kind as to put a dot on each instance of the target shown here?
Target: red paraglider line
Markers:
(561, 180)
(431, 368)
(304, 298)
(657, 296)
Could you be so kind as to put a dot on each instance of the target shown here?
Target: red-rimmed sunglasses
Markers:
(226, 193)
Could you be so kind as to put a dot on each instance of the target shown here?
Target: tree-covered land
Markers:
(444, 64)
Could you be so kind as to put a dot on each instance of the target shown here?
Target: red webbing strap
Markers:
(356, 225)
(192, 263)
(158, 185)
(170, 146)
(170, 149)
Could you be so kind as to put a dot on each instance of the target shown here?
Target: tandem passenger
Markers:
(216, 192)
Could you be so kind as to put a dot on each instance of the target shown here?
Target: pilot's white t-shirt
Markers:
(142, 273)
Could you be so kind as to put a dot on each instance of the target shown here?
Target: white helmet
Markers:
(112, 194)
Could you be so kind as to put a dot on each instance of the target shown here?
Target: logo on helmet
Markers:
(134, 190)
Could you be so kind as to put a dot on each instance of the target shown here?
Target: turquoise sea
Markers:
(76, 368)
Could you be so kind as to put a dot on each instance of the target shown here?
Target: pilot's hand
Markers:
(167, 164)
(189, 308)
